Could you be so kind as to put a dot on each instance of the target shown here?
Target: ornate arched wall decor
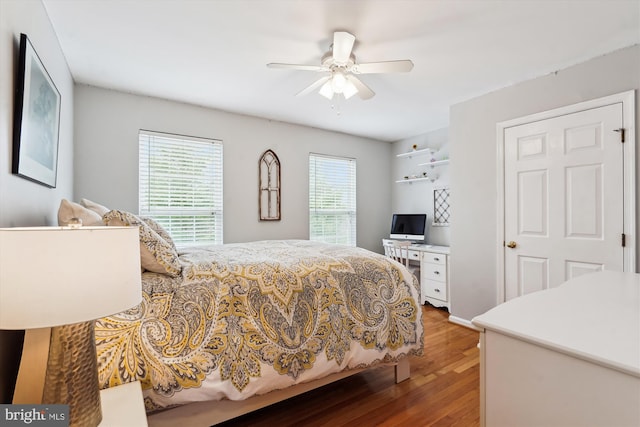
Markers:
(269, 188)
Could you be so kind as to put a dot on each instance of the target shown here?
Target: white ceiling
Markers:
(214, 52)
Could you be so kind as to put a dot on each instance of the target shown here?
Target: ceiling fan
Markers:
(340, 64)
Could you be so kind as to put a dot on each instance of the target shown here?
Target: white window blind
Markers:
(180, 186)
(332, 199)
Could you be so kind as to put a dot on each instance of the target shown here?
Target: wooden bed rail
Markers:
(209, 413)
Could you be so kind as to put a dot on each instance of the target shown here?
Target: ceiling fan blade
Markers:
(342, 45)
(297, 67)
(363, 90)
(401, 66)
(313, 86)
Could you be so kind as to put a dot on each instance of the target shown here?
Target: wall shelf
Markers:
(435, 163)
(410, 180)
(420, 152)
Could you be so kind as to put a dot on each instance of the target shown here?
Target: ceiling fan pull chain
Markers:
(336, 105)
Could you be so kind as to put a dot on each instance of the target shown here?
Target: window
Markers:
(332, 199)
(180, 186)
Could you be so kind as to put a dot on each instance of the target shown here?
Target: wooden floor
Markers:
(443, 389)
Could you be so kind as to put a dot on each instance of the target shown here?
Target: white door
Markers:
(563, 199)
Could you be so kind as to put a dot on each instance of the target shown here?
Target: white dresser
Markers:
(567, 356)
(434, 273)
(123, 406)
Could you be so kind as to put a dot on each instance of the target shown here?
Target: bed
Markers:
(238, 324)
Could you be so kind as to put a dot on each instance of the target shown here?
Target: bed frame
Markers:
(209, 413)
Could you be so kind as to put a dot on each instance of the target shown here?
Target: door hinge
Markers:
(624, 240)
(621, 130)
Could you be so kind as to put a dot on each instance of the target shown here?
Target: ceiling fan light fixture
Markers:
(349, 90)
(326, 90)
(338, 82)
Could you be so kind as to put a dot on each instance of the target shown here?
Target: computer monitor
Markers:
(409, 227)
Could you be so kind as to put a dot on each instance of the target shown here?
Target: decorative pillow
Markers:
(68, 210)
(97, 208)
(162, 232)
(155, 253)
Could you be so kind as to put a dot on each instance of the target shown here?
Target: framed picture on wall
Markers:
(36, 119)
(441, 206)
(269, 187)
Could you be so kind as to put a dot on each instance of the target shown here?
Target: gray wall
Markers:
(24, 203)
(473, 149)
(106, 152)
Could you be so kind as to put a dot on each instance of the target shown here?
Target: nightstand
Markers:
(123, 406)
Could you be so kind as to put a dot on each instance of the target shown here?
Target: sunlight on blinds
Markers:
(332, 199)
(180, 186)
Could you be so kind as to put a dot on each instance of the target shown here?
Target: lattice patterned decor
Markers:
(441, 206)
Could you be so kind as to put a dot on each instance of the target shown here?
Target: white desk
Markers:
(434, 273)
(565, 356)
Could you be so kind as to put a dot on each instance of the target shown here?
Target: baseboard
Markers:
(464, 322)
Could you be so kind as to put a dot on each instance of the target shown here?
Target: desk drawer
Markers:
(434, 272)
(434, 258)
(432, 289)
(414, 255)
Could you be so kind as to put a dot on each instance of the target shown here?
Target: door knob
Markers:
(512, 244)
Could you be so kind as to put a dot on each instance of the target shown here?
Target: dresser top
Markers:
(595, 317)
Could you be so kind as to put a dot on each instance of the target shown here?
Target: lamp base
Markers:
(72, 373)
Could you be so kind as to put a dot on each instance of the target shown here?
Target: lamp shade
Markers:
(52, 276)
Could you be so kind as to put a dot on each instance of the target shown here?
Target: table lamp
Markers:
(54, 283)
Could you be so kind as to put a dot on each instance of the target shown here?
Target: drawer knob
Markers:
(436, 272)
(437, 290)
(436, 259)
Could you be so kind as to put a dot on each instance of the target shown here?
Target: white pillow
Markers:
(96, 207)
(68, 210)
(155, 253)
(155, 226)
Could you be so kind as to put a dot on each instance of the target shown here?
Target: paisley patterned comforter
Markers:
(245, 319)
